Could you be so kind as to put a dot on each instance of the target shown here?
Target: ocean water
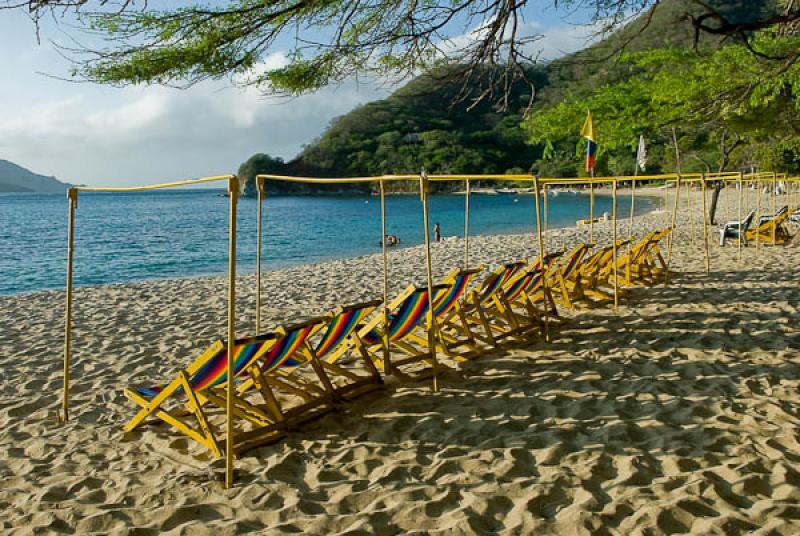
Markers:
(179, 233)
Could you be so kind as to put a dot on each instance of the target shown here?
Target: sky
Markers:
(90, 134)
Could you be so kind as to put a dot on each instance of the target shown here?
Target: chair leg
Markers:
(211, 441)
(151, 406)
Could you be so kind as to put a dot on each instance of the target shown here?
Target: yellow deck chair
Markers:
(561, 277)
(201, 388)
(407, 313)
(477, 306)
(456, 335)
(643, 263)
(513, 314)
(585, 286)
(772, 229)
(354, 372)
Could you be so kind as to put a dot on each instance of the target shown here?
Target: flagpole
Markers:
(591, 208)
(633, 198)
(640, 159)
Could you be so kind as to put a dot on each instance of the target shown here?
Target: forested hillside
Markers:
(421, 125)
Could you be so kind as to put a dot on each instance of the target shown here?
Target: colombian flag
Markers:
(591, 142)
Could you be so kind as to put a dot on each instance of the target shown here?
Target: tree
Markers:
(336, 39)
(734, 98)
(258, 164)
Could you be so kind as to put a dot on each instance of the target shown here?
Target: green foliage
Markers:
(258, 164)
(721, 103)
(420, 126)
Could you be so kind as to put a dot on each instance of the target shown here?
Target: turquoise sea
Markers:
(163, 234)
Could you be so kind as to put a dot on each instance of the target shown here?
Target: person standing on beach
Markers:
(437, 233)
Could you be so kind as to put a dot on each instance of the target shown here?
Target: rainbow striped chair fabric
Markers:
(454, 334)
(342, 354)
(514, 312)
(271, 393)
(479, 304)
(561, 277)
(407, 314)
(203, 385)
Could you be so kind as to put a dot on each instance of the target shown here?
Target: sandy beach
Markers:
(678, 413)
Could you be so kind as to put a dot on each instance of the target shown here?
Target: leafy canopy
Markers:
(718, 101)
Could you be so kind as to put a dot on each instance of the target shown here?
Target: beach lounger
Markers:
(270, 368)
(643, 263)
(764, 219)
(561, 273)
(586, 286)
(353, 373)
(456, 336)
(771, 229)
(737, 229)
(201, 387)
(795, 217)
(475, 308)
(407, 316)
(513, 314)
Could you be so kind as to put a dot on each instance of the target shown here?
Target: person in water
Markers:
(391, 240)
(437, 233)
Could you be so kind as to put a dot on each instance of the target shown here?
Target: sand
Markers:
(676, 414)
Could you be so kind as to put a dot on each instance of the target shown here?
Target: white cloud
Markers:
(563, 39)
(154, 133)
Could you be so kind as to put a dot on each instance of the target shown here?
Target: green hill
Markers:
(14, 178)
(419, 126)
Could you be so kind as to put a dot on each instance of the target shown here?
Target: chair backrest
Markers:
(412, 311)
(341, 323)
(574, 260)
(459, 282)
(290, 340)
(527, 282)
(782, 215)
(214, 370)
(497, 280)
(274, 350)
(748, 220)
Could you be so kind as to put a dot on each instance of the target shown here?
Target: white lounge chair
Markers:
(736, 229)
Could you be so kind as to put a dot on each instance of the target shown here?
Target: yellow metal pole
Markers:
(759, 193)
(633, 199)
(665, 199)
(466, 226)
(387, 358)
(690, 211)
(774, 204)
(741, 234)
(72, 196)
(542, 255)
(260, 187)
(726, 191)
(672, 228)
(545, 217)
(705, 223)
(233, 190)
(423, 190)
(614, 243)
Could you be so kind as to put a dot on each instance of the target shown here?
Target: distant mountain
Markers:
(14, 178)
